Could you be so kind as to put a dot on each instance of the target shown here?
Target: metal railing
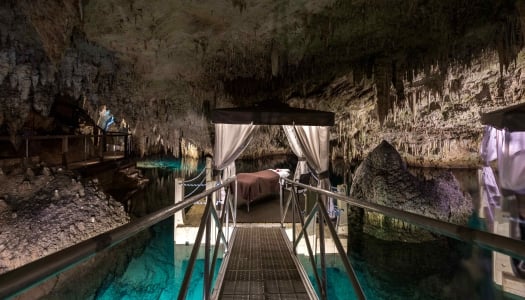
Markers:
(221, 217)
(319, 213)
(21, 279)
(102, 143)
(491, 241)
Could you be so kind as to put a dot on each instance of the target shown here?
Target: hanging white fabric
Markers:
(490, 193)
(489, 144)
(302, 165)
(511, 161)
(315, 145)
(230, 142)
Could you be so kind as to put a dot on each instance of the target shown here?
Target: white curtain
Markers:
(302, 165)
(315, 145)
(490, 193)
(511, 161)
(230, 142)
(489, 144)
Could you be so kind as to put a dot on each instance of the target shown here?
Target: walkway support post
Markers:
(342, 218)
(179, 197)
(209, 173)
(27, 148)
(126, 147)
(64, 150)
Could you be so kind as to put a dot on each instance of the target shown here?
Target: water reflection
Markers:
(160, 191)
(184, 167)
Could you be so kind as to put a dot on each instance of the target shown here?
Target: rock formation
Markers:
(44, 210)
(414, 73)
(393, 249)
(383, 178)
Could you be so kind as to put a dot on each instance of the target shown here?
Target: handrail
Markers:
(210, 213)
(22, 278)
(320, 208)
(61, 136)
(505, 245)
(100, 144)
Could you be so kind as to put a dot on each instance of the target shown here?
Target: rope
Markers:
(194, 184)
(196, 177)
(196, 187)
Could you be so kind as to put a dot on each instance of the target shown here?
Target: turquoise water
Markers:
(465, 272)
(158, 272)
(149, 276)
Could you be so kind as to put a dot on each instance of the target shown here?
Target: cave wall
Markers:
(434, 127)
(414, 73)
(42, 59)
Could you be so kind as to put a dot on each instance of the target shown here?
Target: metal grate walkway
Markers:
(261, 267)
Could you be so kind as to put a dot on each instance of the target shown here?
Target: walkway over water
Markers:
(259, 263)
(261, 266)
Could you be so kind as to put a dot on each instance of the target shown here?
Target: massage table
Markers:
(257, 185)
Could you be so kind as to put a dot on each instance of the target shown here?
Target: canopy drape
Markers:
(511, 161)
(489, 144)
(307, 132)
(230, 142)
(489, 191)
(302, 165)
(315, 144)
(505, 135)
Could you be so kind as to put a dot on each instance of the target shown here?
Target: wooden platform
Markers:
(261, 266)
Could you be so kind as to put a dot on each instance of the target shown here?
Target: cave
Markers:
(110, 83)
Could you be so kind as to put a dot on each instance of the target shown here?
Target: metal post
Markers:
(322, 252)
(27, 148)
(293, 221)
(342, 218)
(210, 182)
(207, 277)
(64, 150)
(126, 152)
(102, 146)
(85, 148)
(281, 185)
(178, 217)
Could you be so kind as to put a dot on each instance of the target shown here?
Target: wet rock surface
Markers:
(427, 265)
(383, 178)
(43, 210)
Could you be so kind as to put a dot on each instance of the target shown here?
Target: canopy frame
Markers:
(307, 131)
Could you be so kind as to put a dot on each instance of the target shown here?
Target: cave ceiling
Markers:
(255, 50)
(164, 64)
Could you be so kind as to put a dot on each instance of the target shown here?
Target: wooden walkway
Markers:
(261, 267)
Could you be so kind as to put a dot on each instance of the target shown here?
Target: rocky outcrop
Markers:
(44, 210)
(382, 178)
(399, 253)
